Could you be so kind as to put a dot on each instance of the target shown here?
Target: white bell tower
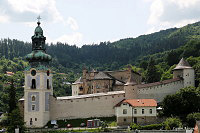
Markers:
(38, 83)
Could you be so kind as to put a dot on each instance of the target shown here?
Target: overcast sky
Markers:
(92, 21)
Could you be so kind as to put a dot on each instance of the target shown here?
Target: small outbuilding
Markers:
(139, 111)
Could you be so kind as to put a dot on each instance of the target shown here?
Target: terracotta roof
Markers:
(183, 64)
(139, 102)
(131, 81)
(78, 81)
(159, 83)
(102, 75)
(9, 73)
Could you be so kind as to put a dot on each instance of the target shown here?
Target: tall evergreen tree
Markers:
(152, 74)
(15, 119)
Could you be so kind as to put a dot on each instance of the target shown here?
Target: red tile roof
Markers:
(139, 102)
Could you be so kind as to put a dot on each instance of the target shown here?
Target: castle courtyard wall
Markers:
(91, 106)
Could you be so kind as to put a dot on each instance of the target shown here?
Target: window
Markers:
(35, 119)
(135, 111)
(31, 122)
(124, 111)
(33, 107)
(48, 87)
(33, 98)
(33, 86)
(142, 111)
(150, 111)
(124, 119)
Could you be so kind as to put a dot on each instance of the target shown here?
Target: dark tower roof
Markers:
(131, 81)
(38, 57)
(183, 64)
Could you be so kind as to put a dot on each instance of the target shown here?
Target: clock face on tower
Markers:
(33, 72)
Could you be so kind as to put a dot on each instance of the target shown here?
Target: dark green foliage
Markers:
(12, 103)
(15, 121)
(186, 101)
(192, 118)
(152, 74)
(171, 123)
(134, 126)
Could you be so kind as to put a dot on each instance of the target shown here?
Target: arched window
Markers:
(48, 87)
(33, 98)
(33, 86)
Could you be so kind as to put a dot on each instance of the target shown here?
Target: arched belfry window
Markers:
(33, 85)
(48, 86)
(33, 98)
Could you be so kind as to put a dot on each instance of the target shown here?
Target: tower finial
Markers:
(38, 18)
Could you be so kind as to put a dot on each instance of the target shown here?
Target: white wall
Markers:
(119, 111)
(189, 77)
(160, 91)
(99, 106)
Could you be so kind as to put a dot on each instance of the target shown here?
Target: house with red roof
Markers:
(139, 111)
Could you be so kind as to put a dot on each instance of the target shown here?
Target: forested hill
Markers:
(106, 55)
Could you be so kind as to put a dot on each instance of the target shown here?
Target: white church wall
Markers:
(160, 91)
(100, 106)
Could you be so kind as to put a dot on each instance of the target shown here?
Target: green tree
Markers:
(185, 101)
(171, 123)
(14, 117)
(192, 118)
(152, 74)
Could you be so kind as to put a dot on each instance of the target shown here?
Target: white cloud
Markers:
(72, 23)
(4, 19)
(71, 39)
(172, 13)
(26, 10)
(156, 10)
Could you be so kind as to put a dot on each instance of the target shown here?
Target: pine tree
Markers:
(15, 119)
(152, 75)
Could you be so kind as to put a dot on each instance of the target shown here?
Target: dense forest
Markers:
(163, 49)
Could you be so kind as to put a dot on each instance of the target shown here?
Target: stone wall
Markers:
(84, 107)
(160, 91)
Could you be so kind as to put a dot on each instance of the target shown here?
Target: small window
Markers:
(33, 98)
(33, 86)
(135, 111)
(142, 111)
(31, 122)
(33, 107)
(35, 119)
(124, 111)
(150, 111)
(124, 119)
(48, 86)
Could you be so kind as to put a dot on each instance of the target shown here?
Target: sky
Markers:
(82, 22)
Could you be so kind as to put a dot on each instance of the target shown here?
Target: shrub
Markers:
(152, 126)
(192, 118)
(134, 126)
(171, 123)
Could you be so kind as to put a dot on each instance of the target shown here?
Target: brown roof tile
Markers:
(139, 102)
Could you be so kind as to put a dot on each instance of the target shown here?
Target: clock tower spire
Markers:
(38, 82)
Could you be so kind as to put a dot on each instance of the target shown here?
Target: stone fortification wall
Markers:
(85, 106)
(158, 92)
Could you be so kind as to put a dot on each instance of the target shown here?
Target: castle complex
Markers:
(95, 94)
